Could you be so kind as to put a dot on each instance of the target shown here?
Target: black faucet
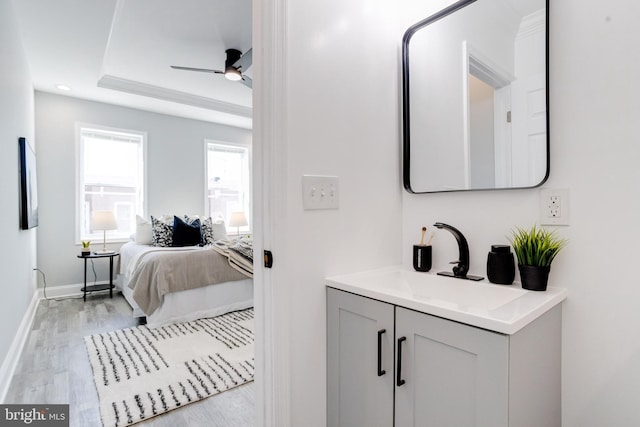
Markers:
(461, 268)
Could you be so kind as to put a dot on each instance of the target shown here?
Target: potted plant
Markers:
(535, 248)
(86, 250)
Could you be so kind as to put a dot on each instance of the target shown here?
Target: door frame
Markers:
(477, 63)
(271, 299)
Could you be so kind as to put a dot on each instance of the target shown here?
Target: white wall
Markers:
(175, 171)
(340, 114)
(17, 247)
(482, 169)
(594, 108)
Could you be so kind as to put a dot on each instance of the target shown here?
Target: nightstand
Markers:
(105, 286)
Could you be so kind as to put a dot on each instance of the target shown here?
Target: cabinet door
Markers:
(454, 374)
(359, 361)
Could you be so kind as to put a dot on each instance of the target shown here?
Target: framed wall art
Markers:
(28, 186)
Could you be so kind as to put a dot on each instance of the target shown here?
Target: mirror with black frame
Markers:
(475, 97)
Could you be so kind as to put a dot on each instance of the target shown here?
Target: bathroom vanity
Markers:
(416, 349)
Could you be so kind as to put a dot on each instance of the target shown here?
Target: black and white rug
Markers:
(141, 372)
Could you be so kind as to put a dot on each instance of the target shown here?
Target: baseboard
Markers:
(61, 291)
(7, 370)
(15, 350)
(67, 291)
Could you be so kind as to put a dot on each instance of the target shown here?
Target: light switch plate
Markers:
(320, 192)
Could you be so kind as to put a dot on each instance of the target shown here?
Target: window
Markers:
(228, 182)
(110, 177)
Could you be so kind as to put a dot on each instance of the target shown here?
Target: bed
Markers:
(177, 284)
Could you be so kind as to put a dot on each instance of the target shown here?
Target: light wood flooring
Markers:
(54, 368)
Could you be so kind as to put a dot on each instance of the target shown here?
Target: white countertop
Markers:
(500, 308)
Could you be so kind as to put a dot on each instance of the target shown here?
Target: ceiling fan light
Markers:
(232, 74)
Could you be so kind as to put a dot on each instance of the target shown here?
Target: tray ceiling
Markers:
(119, 52)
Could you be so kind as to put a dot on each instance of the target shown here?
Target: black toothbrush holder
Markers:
(422, 257)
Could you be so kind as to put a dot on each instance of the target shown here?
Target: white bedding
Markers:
(131, 253)
(183, 305)
(209, 301)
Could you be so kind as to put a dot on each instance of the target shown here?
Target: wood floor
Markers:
(54, 368)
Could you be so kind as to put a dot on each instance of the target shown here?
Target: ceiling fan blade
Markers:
(245, 61)
(246, 80)
(202, 70)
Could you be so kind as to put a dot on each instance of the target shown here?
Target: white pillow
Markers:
(166, 218)
(219, 230)
(144, 235)
(213, 230)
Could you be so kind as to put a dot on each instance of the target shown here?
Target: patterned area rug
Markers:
(141, 372)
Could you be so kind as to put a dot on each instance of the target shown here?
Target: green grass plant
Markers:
(536, 246)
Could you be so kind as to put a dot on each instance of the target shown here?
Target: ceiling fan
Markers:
(234, 67)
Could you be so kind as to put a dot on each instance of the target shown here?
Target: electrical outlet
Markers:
(554, 206)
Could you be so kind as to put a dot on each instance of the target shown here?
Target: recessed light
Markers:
(63, 87)
(233, 74)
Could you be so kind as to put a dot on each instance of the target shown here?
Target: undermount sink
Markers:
(462, 293)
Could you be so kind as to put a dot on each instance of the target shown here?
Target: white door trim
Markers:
(269, 202)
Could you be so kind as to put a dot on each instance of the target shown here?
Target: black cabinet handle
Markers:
(399, 380)
(381, 371)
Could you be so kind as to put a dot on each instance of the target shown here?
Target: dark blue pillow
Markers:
(186, 234)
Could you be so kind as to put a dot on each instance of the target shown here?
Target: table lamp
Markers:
(104, 220)
(238, 219)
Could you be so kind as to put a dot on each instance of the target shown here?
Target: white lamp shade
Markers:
(103, 220)
(238, 219)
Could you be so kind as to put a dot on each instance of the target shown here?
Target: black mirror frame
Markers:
(406, 137)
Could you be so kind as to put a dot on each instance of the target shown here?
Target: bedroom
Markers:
(593, 123)
(180, 145)
(175, 134)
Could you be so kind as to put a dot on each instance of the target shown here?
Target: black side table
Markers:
(106, 286)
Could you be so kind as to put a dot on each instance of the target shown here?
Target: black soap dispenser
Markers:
(501, 268)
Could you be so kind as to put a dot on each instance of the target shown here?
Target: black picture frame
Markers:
(28, 186)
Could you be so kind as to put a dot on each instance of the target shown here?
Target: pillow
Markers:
(143, 235)
(189, 219)
(161, 233)
(207, 232)
(167, 219)
(212, 231)
(186, 234)
(219, 230)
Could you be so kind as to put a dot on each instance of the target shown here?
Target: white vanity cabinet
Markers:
(392, 366)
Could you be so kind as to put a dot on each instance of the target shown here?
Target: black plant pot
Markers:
(534, 278)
